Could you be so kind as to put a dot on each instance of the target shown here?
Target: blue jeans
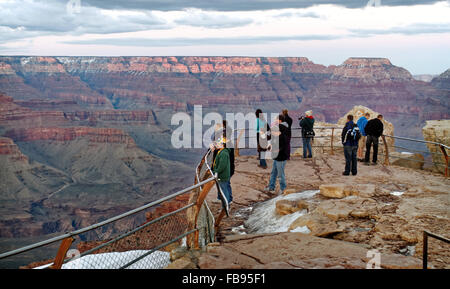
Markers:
(262, 160)
(277, 171)
(371, 140)
(350, 153)
(226, 189)
(307, 147)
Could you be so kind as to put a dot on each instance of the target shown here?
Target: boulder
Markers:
(357, 111)
(286, 207)
(437, 131)
(333, 190)
(407, 160)
(362, 190)
(178, 252)
(339, 191)
(355, 207)
(318, 224)
(182, 263)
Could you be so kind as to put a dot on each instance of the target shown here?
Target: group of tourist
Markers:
(274, 142)
(365, 133)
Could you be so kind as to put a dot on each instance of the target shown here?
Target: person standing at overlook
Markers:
(350, 138)
(288, 120)
(221, 166)
(262, 137)
(373, 130)
(307, 125)
(278, 148)
(361, 123)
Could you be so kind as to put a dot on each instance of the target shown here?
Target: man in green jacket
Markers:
(221, 166)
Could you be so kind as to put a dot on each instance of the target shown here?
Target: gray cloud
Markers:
(202, 19)
(238, 5)
(199, 41)
(26, 19)
(22, 20)
(412, 29)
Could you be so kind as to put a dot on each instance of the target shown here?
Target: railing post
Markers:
(236, 147)
(332, 140)
(444, 152)
(201, 197)
(62, 251)
(425, 250)
(386, 156)
(218, 220)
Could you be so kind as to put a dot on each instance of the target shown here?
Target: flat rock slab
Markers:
(295, 250)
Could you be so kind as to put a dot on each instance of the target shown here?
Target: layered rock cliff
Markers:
(227, 84)
(442, 81)
(96, 135)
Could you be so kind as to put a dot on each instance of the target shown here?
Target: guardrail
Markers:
(137, 248)
(203, 214)
(425, 246)
(330, 142)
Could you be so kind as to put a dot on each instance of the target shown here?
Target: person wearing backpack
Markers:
(307, 125)
(350, 138)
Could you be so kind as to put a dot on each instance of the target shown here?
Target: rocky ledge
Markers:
(383, 208)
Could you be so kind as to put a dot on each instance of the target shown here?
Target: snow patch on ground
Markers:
(264, 218)
(115, 260)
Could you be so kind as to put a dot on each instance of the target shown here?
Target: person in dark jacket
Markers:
(373, 130)
(288, 120)
(279, 150)
(350, 146)
(307, 125)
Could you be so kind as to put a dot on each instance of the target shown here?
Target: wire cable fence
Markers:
(121, 242)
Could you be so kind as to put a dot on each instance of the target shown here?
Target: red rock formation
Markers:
(13, 115)
(177, 83)
(113, 115)
(45, 77)
(370, 70)
(39, 104)
(9, 148)
(98, 135)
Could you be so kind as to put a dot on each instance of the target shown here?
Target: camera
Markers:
(301, 117)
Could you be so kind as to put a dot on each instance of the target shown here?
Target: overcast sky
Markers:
(413, 34)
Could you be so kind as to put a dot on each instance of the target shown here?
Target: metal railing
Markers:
(146, 246)
(434, 153)
(205, 218)
(425, 246)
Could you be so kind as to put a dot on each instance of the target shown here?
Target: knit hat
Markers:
(308, 113)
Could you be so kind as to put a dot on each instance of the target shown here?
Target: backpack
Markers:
(310, 133)
(353, 134)
(231, 150)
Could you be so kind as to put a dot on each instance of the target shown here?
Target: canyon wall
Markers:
(98, 128)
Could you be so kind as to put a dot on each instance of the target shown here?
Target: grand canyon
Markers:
(85, 138)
